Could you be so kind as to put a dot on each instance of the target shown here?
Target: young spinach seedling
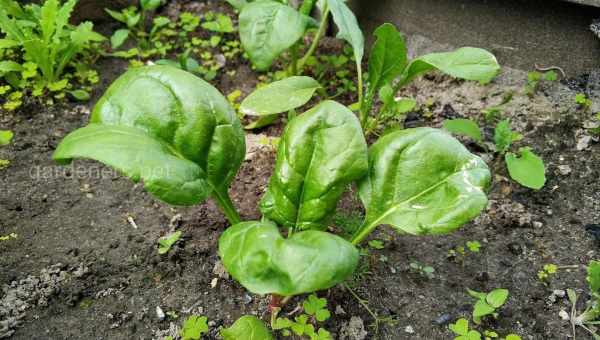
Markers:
(181, 137)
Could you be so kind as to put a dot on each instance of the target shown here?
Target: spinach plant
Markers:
(526, 168)
(47, 43)
(181, 136)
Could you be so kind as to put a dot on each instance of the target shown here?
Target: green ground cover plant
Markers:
(43, 53)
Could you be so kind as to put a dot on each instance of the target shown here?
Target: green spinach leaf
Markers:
(466, 63)
(280, 96)
(348, 27)
(421, 181)
(264, 262)
(387, 60)
(167, 127)
(320, 153)
(267, 28)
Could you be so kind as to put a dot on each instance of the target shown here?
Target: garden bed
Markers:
(84, 263)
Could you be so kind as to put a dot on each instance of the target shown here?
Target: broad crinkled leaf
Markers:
(422, 181)
(264, 262)
(267, 28)
(248, 327)
(167, 127)
(280, 96)
(138, 156)
(348, 28)
(320, 153)
(468, 63)
(527, 169)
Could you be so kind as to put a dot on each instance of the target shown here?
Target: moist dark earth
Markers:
(85, 263)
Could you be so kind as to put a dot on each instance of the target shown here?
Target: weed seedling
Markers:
(463, 332)
(424, 271)
(487, 303)
(315, 312)
(590, 316)
(534, 78)
(38, 50)
(583, 101)
(376, 244)
(165, 243)
(547, 272)
(193, 327)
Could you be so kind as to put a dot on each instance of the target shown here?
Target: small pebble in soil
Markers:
(409, 329)
(443, 319)
(564, 170)
(339, 310)
(160, 315)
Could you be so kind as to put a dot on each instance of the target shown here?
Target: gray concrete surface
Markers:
(519, 32)
(595, 3)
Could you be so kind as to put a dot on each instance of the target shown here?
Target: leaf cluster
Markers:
(39, 47)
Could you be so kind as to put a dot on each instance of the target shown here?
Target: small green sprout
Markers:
(582, 100)
(165, 243)
(193, 327)
(5, 137)
(461, 329)
(473, 246)
(534, 78)
(316, 307)
(305, 324)
(376, 244)
(487, 303)
(8, 237)
(547, 271)
(425, 271)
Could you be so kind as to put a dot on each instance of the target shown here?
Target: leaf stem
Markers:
(224, 202)
(294, 54)
(362, 232)
(363, 112)
(315, 42)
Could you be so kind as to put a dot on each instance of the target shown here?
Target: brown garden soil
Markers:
(79, 269)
